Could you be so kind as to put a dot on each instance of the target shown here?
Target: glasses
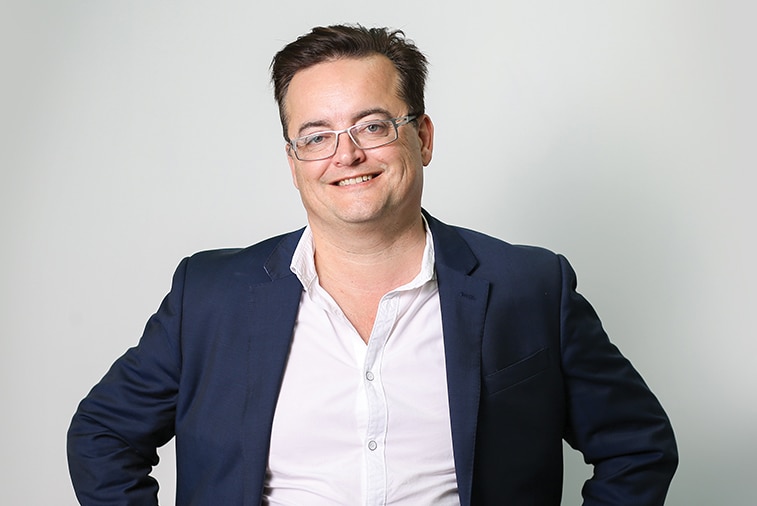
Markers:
(365, 135)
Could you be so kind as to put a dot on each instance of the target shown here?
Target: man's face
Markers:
(380, 186)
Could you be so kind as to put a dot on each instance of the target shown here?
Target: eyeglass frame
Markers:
(396, 123)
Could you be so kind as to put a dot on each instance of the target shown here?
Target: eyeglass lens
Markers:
(370, 134)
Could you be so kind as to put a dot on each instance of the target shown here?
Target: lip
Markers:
(354, 180)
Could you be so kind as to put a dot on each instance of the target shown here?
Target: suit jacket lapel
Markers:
(463, 302)
(273, 311)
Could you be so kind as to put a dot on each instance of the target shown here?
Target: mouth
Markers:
(354, 180)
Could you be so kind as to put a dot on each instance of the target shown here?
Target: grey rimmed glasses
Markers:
(366, 135)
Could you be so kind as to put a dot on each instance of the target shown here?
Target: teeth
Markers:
(354, 180)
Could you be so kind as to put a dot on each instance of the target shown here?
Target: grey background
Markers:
(621, 134)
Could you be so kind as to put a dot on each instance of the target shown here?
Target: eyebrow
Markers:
(355, 119)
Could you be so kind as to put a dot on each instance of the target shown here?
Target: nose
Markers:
(347, 152)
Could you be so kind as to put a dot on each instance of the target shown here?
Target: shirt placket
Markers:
(375, 437)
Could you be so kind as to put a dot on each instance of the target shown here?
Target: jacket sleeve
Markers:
(117, 428)
(613, 417)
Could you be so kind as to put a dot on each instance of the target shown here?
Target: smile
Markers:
(354, 180)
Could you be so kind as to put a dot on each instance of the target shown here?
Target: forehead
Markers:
(336, 91)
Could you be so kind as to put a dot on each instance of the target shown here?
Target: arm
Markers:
(613, 417)
(117, 428)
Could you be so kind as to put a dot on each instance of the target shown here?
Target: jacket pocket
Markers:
(517, 373)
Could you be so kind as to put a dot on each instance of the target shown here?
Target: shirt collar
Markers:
(303, 261)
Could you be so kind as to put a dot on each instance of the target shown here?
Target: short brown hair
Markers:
(351, 41)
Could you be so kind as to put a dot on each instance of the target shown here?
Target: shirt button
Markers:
(369, 376)
(372, 445)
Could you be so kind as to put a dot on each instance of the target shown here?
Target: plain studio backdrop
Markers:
(621, 134)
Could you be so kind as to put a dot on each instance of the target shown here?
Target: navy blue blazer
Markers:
(528, 365)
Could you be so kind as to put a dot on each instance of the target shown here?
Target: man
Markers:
(378, 356)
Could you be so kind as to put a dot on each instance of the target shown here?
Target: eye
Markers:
(312, 140)
(373, 128)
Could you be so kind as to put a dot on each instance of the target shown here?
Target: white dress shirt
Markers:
(359, 424)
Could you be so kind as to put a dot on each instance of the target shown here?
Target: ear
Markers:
(292, 165)
(426, 135)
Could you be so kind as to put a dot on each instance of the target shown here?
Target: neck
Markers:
(369, 258)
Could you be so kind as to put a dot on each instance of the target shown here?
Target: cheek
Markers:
(306, 175)
(411, 148)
